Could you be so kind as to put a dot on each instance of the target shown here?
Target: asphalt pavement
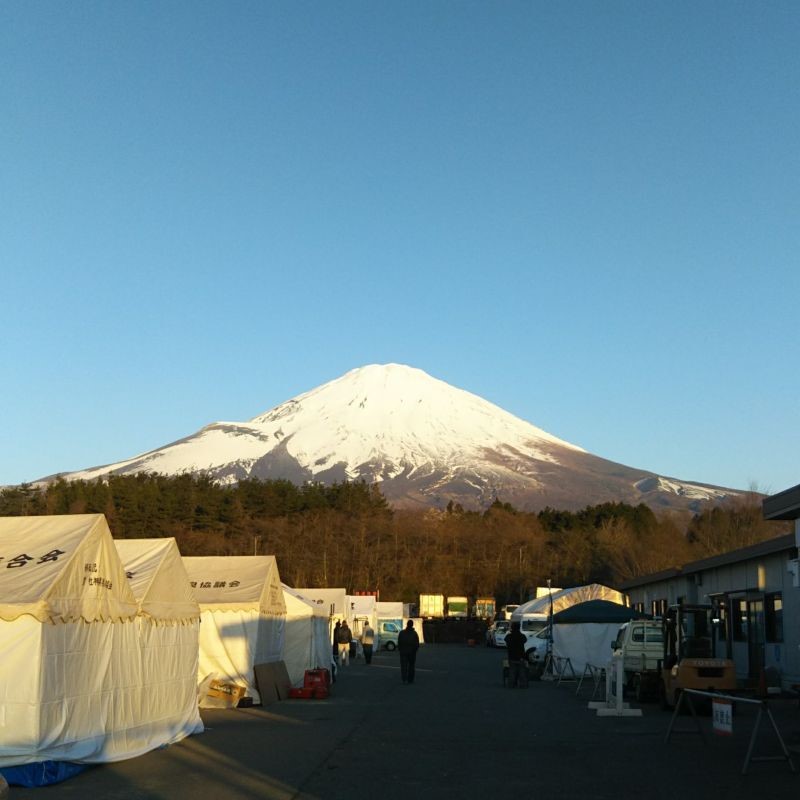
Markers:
(457, 732)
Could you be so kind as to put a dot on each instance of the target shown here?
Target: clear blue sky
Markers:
(587, 213)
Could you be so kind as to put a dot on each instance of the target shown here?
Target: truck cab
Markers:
(640, 645)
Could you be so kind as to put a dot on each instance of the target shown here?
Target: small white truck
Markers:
(640, 643)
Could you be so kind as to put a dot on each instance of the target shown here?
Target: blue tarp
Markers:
(43, 773)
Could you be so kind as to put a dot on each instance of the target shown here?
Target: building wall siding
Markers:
(762, 575)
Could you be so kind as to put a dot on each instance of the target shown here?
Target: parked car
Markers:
(530, 629)
(536, 647)
(496, 633)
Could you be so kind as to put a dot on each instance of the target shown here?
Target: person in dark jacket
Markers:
(344, 637)
(407, 646)
(517, 668)
(336, 641)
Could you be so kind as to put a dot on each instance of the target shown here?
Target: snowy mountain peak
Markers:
(400, 414)
(425, 441)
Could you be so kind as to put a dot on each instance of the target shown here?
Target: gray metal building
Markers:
(755, 592)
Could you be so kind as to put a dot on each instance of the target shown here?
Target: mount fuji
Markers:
(424, 441)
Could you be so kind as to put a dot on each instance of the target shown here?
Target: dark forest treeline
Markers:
(347, 535)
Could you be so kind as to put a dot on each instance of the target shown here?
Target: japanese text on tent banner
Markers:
(23, 559)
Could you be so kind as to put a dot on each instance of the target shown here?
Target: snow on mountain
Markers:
(424, 440)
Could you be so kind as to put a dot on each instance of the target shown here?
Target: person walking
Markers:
(407, 645)
(367, 640)
(336, 641)
(517, 668)
(344, 638)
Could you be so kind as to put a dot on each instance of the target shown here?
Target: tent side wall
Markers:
(21, 654)
(170, 656)
(585, 643)
(92, 703)
(167, 633)
(306, 642)
(228, 646)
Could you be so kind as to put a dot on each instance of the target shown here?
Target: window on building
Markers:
(721, 614)
(658, 608)
(773, 613)
(739, 620)
(639, 607)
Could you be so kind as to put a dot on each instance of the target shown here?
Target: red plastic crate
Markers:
(303, 693)
(316, 677)
(321, 692)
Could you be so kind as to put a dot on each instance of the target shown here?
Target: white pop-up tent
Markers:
(306, 643)
(539, 607)
(167, 625)
(242, 616)
(583, 633)
(72, 687)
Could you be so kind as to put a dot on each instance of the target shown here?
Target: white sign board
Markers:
(722, 713)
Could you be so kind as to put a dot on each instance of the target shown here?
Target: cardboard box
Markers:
(230, 692)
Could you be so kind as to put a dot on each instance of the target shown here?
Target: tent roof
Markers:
(297, 605)
(564, 598)
(61, 569)
(325, 598)
(234, 583)
(362, 605)
(599, 611)
(158, 578)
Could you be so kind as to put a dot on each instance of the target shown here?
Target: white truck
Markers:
(506, 611)
(640, 644)
(431, 606)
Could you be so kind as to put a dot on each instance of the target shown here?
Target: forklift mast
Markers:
(688, 633)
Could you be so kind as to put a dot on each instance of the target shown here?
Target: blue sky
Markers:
(586, 213)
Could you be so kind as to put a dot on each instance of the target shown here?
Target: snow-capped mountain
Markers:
(425, 441)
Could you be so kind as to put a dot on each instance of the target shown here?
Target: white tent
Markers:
(73, 686)
(167, 625)
(333, 602)
(539, 607)
(242, 616)
(584, 632)
(306, 643)
(362, 607)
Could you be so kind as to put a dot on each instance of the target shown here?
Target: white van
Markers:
(388, 631)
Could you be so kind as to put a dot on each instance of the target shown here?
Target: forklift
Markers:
(690, 660)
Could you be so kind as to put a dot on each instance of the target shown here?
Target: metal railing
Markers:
(763, 711)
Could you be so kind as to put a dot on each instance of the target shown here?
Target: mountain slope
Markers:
(425, 441)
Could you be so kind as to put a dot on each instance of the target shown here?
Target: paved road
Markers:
(456, 733)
